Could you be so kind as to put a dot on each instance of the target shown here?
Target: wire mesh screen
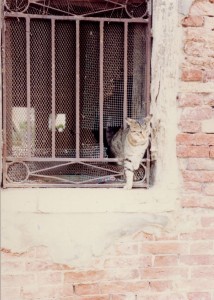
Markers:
(65, 96)
(40, 84)
(137, 71)
(89, 88)
(16, 105)
(69, 82)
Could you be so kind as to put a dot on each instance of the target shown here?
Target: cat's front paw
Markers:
(127, 187)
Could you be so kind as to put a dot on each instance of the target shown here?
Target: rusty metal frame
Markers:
(8, 160)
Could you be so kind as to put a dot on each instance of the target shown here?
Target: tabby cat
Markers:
(130, 145)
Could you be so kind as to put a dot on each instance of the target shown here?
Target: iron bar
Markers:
(51, 168)
(148, 74)
(125, 73)
(53, 177)
(76, 185)
(101, 87)
(53, 87)
(77, 89)
(75, 18)
(28, 86)
(4, 107)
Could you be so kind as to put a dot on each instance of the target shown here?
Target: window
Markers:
(73, 71)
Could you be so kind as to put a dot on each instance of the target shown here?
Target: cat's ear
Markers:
(130, 121)
(148, 119)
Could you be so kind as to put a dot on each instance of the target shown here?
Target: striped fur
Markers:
(130, 145)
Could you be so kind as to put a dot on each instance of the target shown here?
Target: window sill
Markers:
(86, 200)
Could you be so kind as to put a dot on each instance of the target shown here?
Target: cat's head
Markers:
(140, 130)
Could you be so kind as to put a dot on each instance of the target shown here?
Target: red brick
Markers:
(194, 46)
(165, 260)
(203, 272)
(163, 273)
(163, 248)
(190, 126)
(212, 152)
(197, 113)
(167, 236)
(209, 75)
(192, 151)
(51, 278)
(209, 189)
(163, 296)
(42, 292)
(17, 280)
(197, 259)
(121, 287)
(197, 201)
(122, 297)
(200, 164)
(193, 186)
(161, 286)
(12, 267)
(193, 285)
(87, 289)
(201, 234)
(192, 75)
(190, 99)
(84, 276)
(204, 247)
(209, 98)
(199, 296)
(41, 265)
(196, 139)
(67, 290)
(193, 21)
(207, 221)
(94, 297)
(198, 176)
(124, 262)
(122, 274)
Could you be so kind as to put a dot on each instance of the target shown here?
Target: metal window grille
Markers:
(72, 69)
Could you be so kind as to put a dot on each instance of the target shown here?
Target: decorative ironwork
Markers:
(73, 71)
(128, 8)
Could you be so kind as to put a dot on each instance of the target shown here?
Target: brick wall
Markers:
(170, 265)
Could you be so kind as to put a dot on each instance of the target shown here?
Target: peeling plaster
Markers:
(73, 239)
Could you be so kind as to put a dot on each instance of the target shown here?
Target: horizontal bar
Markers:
(77, 160)
(75, 18)
(82, 185)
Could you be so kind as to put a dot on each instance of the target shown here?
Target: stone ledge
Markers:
(88, 200)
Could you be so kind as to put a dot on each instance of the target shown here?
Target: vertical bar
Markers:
(101, 87)
(148, 74)
(77, 89)
(125, 72)
(53, 86)
(28, 85)
(4, 169)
